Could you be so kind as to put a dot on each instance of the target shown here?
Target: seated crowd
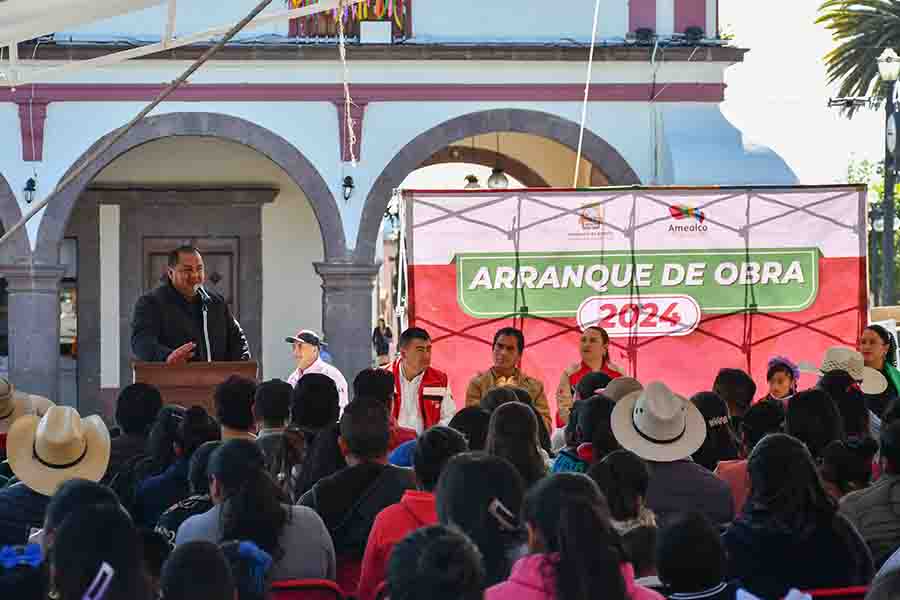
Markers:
(628, 492)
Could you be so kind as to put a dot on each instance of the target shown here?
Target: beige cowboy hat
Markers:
(620, 387)
(43, 452)
(14, 404)
(657, 424)
(839, 358)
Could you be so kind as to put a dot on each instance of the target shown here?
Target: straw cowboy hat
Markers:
(657, 424)
(838, 358)
(43, 452)
(14, 404)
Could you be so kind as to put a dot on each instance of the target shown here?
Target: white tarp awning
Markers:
(22, 20)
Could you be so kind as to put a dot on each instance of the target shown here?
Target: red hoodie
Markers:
(415, 510)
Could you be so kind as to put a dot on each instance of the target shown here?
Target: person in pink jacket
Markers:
(575, 553)
(415, 510)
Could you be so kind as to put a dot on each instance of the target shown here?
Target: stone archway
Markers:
(420, 149)
(226, 127)
(16, 249)
(488, 158)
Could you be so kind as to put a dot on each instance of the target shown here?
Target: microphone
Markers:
(204, 296)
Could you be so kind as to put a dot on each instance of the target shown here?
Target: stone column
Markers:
(348, 289)
(34, 327)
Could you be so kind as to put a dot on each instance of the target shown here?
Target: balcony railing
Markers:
(323, 27)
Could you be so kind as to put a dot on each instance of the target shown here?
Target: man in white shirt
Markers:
(422, 394)
(307, 346)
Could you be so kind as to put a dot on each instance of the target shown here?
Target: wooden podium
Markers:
(192, 383)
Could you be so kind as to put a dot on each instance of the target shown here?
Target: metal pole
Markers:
(887, 256)
(873, 264)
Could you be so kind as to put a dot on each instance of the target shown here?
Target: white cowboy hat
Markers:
(657, 424)
(43, 452)
(839, 358)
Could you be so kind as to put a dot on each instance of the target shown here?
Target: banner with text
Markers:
(685, 281)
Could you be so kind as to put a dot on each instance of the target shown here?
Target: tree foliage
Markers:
(863, 29)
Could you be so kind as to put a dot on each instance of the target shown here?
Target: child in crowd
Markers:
(782, 376)
(251, 569)
(624, 477)
(691, 560)
(197, 570)
(567, 458)
(437, 563)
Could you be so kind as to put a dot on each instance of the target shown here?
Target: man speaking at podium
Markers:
(180, 321)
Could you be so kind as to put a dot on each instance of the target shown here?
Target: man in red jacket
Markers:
(416, 509)
(422, 393)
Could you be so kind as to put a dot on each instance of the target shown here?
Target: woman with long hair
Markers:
(575, 554)
(156, 494)
(790, 533)
(315, 410)
(481, 495)
(511, 393)
(594, 351)
(813, 418)
(513, 435)
(97, 553)
(879, 349)
(850, 402)
(249, 507)
(721, 441)
(847, 466)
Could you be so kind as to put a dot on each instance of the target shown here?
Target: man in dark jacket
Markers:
(181, 321)
(349, 500)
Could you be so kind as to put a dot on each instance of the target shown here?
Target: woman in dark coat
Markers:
(381, 339)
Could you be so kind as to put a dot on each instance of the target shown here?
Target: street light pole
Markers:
(889, 71)
(887, 240)
(875, 222)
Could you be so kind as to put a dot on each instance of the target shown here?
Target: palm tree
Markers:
(863, 30)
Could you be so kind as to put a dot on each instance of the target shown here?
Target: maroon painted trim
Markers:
(641, 13)
(368, 93)
(689, 13)
(357, 113)
(32, 116)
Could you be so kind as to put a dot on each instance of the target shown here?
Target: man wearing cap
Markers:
(44, 452)
(665, 429)
(181, 321)
(422, 397)
(307, 352)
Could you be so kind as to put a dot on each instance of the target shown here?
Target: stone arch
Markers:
(16, 249)
(421, 148)
(488, 158)
(216, 125)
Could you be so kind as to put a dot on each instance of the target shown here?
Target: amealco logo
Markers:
(682, 212)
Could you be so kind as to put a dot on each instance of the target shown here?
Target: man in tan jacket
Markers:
(508, 345)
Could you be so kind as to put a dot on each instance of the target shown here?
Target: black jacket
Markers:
(164, 320)
(768, 558)
(349, 501)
